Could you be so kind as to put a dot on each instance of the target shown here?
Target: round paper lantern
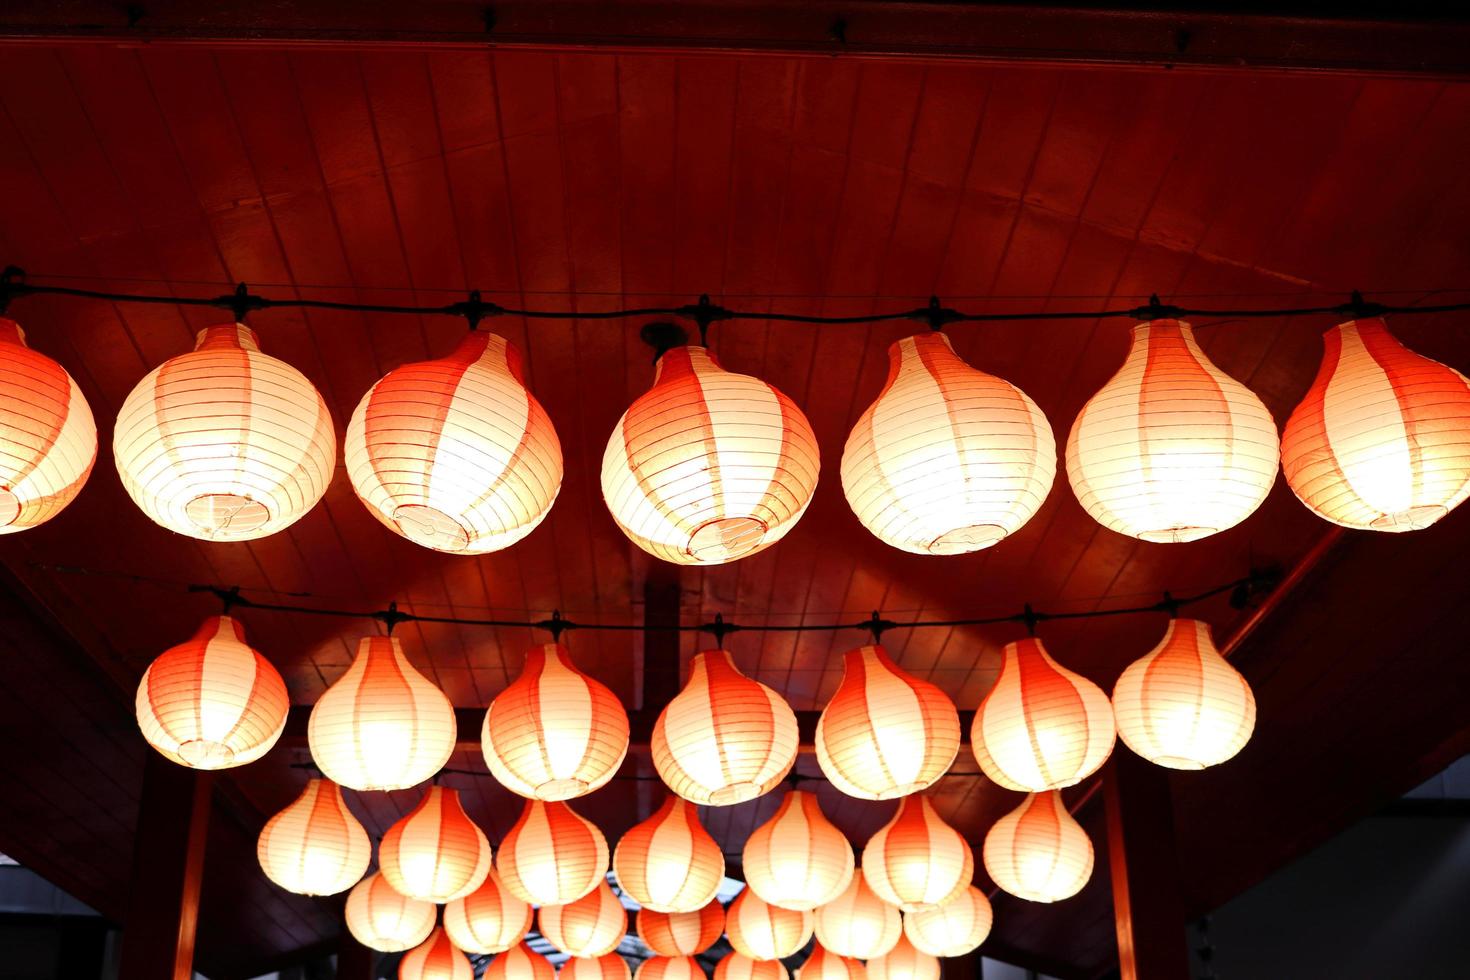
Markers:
(949, 459)
(669, 862)
(520, 962)
(825, 965)
(435, 959)
(1041, 726)
(552, 856)
(738, 967)
(904, 962)
(315, 846)
(798, 859)
(669, 968)
(435, 853)
(1172, 448)
(858, 924)
(916, 860)
(1182, 705)
(609, 967)
(593, 925)
(48, 440)
(1038, 852)
(681, 933)
(885, 734)
(725, 738)
(1381, 442)
(456, 454)
(554, 733)
(212, 702)
(763, 931)
(487, 920)
(225, 443)
(382, 725)
(708, 466)
(382, 919)
(952, 929)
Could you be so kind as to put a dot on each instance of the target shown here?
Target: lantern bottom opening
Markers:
(202, 753)
(963, 540)
(734, 793)
(1413, 519)
(1176, 535)
(216, 514)
(9, 507)
(562, 789)
(726, 538)
(430, 527)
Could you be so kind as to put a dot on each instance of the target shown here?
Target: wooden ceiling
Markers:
(575, 180)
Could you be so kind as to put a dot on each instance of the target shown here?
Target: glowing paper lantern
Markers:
(609, 967)
(456, 454)
(949, 459)
(952, 929)
(48, 440)
(1171, 448)
(798, 859)
(552, 856)
(1182, 705)
(858, 924)
(487, 920)
(435, 853)
(904, 962)
(1041, 726)
(739, 967)
(669, 862)
(225, 443)
(315, 846)
(724, 738)
(669, 968)
(435, 959)
(212, 702)
(763, 931)
(520, 962)
(681, 933)
(1038, 852)
(554, 733)
(593, 925)
(826, 965)
(1381, 441)
(382, 725)
(916, 860)
(708, 466)
(382, 919)
(885, 734)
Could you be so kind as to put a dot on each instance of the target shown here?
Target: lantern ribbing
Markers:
(315, 846)
(487, 920)
(823, 964)
(954, 928)
(735, 966)
(1038, 851)
(435, 853)
(591, 926)
(552, 855)
(681, 933)
(904, 962)
(858, 924)
(916, 860)
(609, 967)
(669, 968)
(669, 862)
(763, 931)
(436, 958)
(382, 919)
(798, 859)
(520, 962)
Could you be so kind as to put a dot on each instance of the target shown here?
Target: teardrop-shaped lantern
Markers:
(798, 859)
(609, 967)
(554, 733)
(904, 962)
(435, 959)
(593, 925)
(48, 440)
(435, 853)
(681, 933)
(949, 459)
(669, 862)
(916, 860)
(858, 924)
(456, 454)
(736, 966)
(708, 466)
(552, 856)
(487, 920)
(315, 846)
(520, 962)
(212, 702)
(1041, 726)
(1171, 448)
(1182, 705)
(1381, 442)
(725, 738)
(763, 931)
(669, 968)
(225, 443)
(823, 964)
(885, 734)
(1038, 852)
(954, 928)
(382, 919)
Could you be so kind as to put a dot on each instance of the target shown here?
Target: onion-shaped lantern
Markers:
(487, 920)
(823, 964)
(609, 967)
(435, 853)
(1038, 852)
(382, 919)
(315, 846)
(737, 966)
(669, 862)
(435, 958)
(916, 860)
(552, 856)
(669, 968)
(763, 931)
(798, 859)
(520, 962)
(953, 929)
(591, 926)
(681, 933)
(904, 962)
(858, 924)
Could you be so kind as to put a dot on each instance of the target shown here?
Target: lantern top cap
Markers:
(227, 335)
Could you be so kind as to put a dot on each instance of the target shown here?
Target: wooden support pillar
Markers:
(168, 867)
(661, 599)
(1148, 905)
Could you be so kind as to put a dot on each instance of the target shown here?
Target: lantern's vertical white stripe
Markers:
(1366, 430)
(745, 421)
(689, 723)
(567, 700)
(897, 718)
(906, 452)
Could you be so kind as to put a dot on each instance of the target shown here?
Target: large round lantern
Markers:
(487, 920)
(823, 964)
(669, 968)
(953, 929)
(1038, 852)
(916, 860)
(708, 466)
(212, 702)
(520, 962)
(552, 856)
(798, 859)
(681, 933)
(669, 862)
(225, 443)
(736, 966)
(1171, 448)
(456, 454)
(1182, 705)
(858, 924)
(382, 919)
(904, 962)
(724, 738)
(382, 725)
(435, 853)
(763, 931)
(315, 846)
(1041, 726)
(1381, 442)
(949, 459)
(48, 440)
(435, 959)
(593, 925)
(608, 967)
(885, 734)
